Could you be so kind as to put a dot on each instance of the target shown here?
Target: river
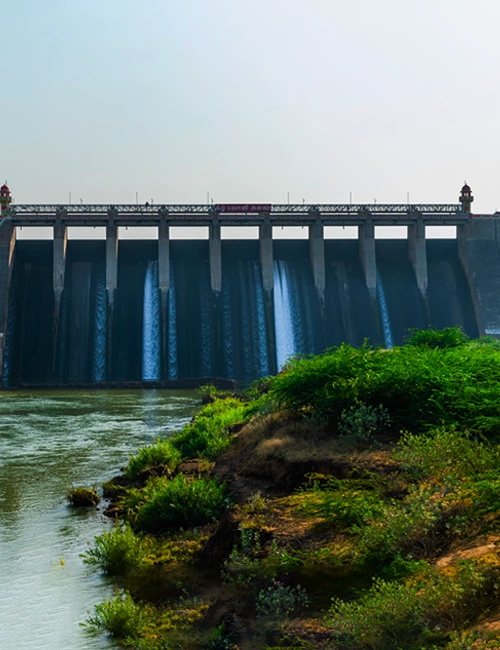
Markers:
(50, 441)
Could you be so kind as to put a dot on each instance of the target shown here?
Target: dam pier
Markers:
(116, 310)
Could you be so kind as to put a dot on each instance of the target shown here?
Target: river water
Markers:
(50, 441)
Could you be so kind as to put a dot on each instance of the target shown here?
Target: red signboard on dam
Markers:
(242, 208)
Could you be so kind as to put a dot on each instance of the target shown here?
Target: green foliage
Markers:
(209, 393)
(279, 601)
(143, 626)
(120, 617)
(463, 469)
(161, 452)
(206, 436)
(258, 388)
(117, 551)
(448, 337)
(244, 560)
(420, 386)
(181, 502)
(415, 526)
(363, 422)
(470, 640)
(256, 504)
(344, 503)
(222, 639)
(394, 615)
(488, 341)
(209, 434)
(81, 497)
(445, 451)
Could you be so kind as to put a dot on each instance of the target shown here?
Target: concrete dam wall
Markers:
(266, 301)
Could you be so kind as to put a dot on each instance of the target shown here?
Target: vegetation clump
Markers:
(354, 499)
(117, 551)
(81, 497)
(181, 502)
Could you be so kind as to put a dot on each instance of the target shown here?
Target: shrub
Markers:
(446, 452)
(120, 617)
(344, 503)
(209, 393)
(243, 563)
(470, 641)
(449, 337)
(420, 386)
(363, 422)
(416, 526)
(161, 452)
(117, 551)
(181, 502)
(279, 601)
(209, 434)
(256, 504)
(222, 639)
(81, 497)
(394, 615)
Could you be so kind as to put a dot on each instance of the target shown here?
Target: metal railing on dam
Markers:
(236, 214)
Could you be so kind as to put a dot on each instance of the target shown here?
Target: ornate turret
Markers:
(466, 198)
(5, 199)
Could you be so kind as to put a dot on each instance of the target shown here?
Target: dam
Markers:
(76, 312)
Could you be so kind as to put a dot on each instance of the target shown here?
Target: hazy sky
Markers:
(249, 100)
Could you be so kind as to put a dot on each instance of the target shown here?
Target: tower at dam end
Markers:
(101, 312)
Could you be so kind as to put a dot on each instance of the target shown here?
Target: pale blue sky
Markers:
(249, 100)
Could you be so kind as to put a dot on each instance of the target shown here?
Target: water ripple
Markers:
(48, 442)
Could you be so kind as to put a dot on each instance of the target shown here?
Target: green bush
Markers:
(420, 386)
(363, 422)
(209, 393)
(415, 526)
(445, 451)
(209, 434)
(117, 551)
(395, 615)
(470, 641)
(279, 601)
(449, 337)
(344, 503)
(206, 436)
(222, 639)
(120, 617)
(161, 452)
(178, 503)
(81, 497)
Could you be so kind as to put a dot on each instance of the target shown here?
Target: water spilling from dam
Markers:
(242, 332)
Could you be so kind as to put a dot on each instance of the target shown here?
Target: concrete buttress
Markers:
(164, 286)
(214, 244)
(267, 271)
(58, 277)
(7, 249)
(111, 286)
(368, 256)
(317, 255)
(478, 249)
(417, 252)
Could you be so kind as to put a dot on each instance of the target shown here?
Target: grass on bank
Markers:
(206, 436)
(164, 504)
(143, 626)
